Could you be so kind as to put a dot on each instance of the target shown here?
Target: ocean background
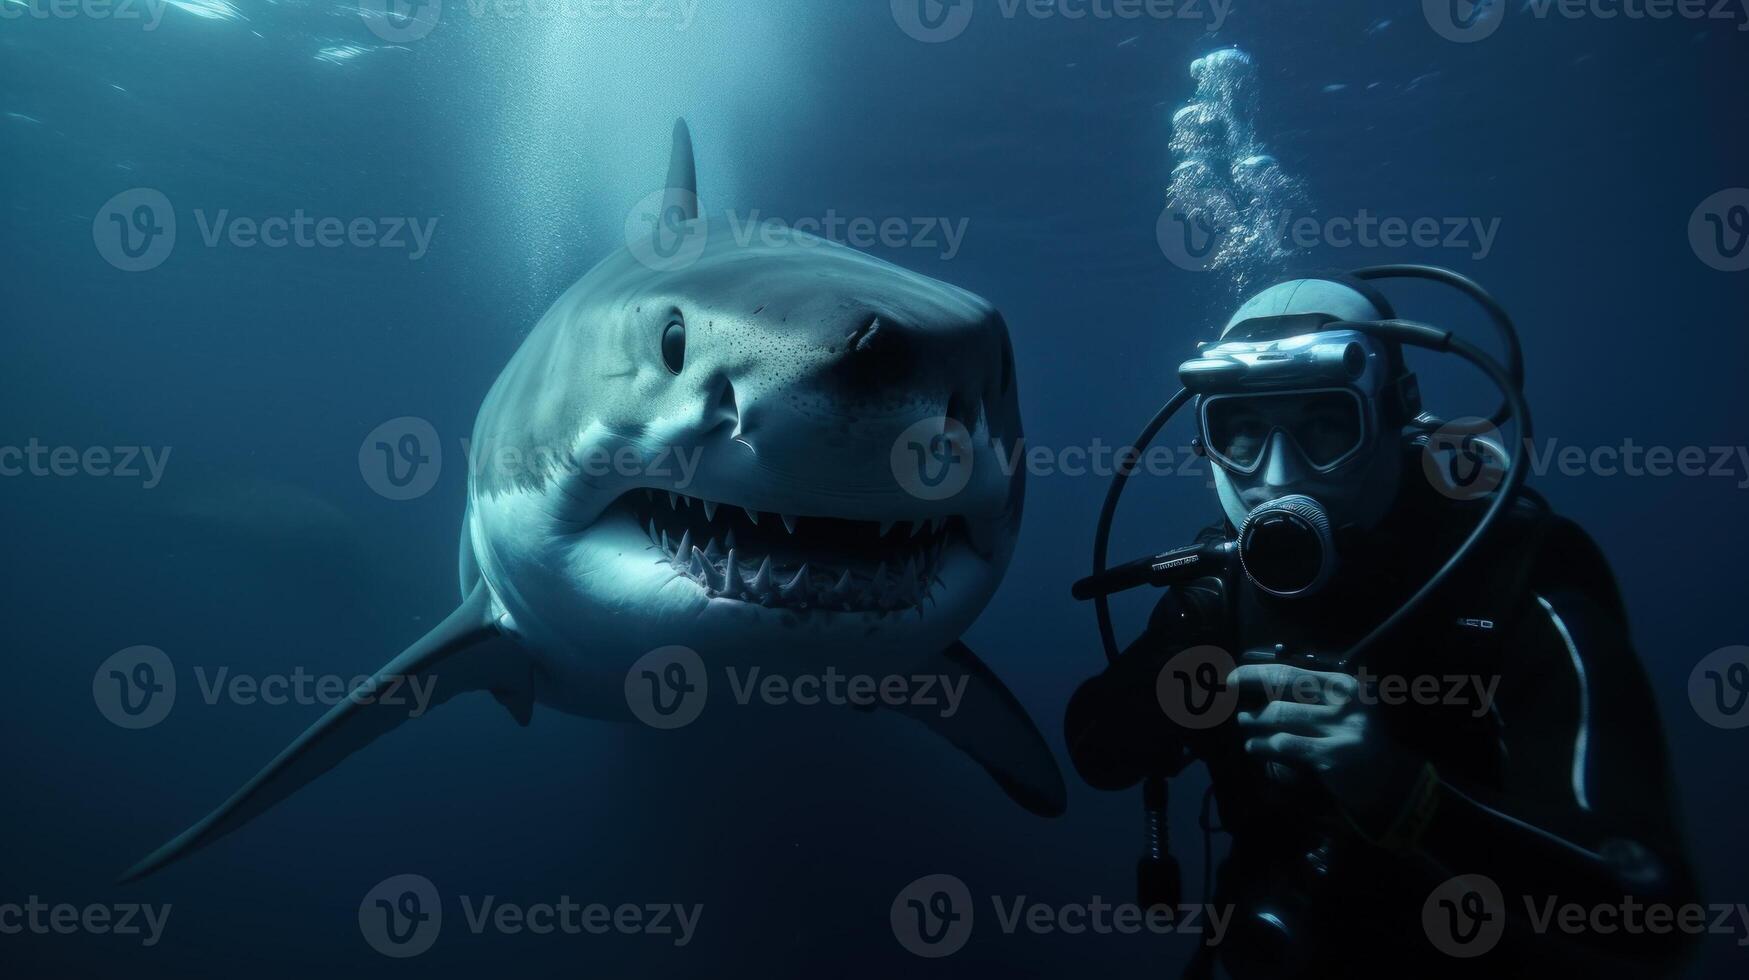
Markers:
(528, 140)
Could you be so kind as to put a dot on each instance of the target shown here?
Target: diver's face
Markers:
(1323, 443)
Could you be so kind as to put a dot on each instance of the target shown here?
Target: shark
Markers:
(736, 447)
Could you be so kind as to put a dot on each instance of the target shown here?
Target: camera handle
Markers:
(1159, 880)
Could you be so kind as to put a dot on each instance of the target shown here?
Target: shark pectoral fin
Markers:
(517, 696)
(980, 716)
(466, 652)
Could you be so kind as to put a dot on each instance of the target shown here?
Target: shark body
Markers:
(699, 446)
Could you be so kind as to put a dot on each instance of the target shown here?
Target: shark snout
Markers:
(888, 365)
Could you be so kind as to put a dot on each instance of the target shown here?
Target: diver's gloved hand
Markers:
(1318, 723)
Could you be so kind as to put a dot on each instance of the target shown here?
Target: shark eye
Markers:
(674, 346)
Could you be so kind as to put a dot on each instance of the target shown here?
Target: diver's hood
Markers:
(1342, 300)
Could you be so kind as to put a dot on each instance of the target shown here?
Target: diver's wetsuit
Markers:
(1556, 788)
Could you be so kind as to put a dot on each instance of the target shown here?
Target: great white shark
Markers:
(797, 376)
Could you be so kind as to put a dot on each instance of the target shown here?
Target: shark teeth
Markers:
(877, 567)
(844, 590)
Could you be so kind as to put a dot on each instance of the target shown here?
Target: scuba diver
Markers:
(1412, 685)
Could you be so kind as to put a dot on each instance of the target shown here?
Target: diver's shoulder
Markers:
(1559, 559)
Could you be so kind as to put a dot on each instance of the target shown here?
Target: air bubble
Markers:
(1225, 178)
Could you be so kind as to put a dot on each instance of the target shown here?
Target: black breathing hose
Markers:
(1419, 335)
(1102, 534)
(1469, 287)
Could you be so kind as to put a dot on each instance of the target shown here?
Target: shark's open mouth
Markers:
(791, 561)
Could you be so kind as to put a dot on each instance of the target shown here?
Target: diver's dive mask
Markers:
(1299, 413)
(1324, 427)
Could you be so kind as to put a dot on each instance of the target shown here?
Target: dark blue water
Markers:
(1590, 141)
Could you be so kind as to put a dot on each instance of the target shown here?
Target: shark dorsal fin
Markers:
(682, 175)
